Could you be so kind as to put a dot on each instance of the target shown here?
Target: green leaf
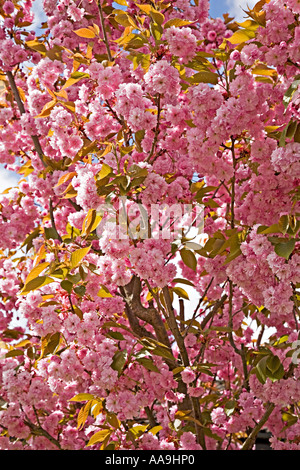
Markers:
(183, 281)
(78, 312)
(49, 344)
(285, 249)
(85, 33)
(50, 232)
(82, 397)
(60, 273)
(148, 364)
(74, 278)
(230, 407)
(91, 222)
(156, 31)
(15, 352)
(112, 419)
(284, 223)
(162, 352)
(145, 8)
(180, 292)
(104, 292)
(188, 258)
(289, 419)
(275, 370)
(155, 430)
(241, 36)
(80, 290)
(157, 16)
(297, 134)
(224, 329)
(67, 286)
(119, 361)
(209, 433)
(205, 77)
(29, 239)
(275, 228)
(290, 91)
(100, 436)
(193, 246)
(36, 284)
(177, 370)
(273, 363)
(177, 22)
(261, 369)
(105, 171)
(115, 335)
(78, 255)
(36, 271)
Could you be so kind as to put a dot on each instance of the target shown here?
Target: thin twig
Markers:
(233, 185)
(156, 129)
(181, 315)
(150, 417)
(53, 221)
(214, 310)
(240, 352)
(199, 305)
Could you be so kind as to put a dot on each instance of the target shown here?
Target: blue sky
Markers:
(233, 7)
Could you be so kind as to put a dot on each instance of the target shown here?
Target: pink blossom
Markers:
(188, 375)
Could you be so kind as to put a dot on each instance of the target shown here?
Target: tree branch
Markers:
(174, 327)
(213, 312)
(20, 104)
(150, 315)
(185, 359)
(39, 431)
(250, 441)
(104, 31)
(240, 352)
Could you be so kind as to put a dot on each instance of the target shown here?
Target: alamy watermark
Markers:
(296, 353)
(128, 219)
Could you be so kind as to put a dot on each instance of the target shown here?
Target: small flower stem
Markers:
(53, 221)
(156, 129)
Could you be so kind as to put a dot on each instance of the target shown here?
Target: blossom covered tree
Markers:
(151, 104)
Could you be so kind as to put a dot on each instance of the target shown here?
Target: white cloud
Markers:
(39, 15)
(236, 7)
(8, 179)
